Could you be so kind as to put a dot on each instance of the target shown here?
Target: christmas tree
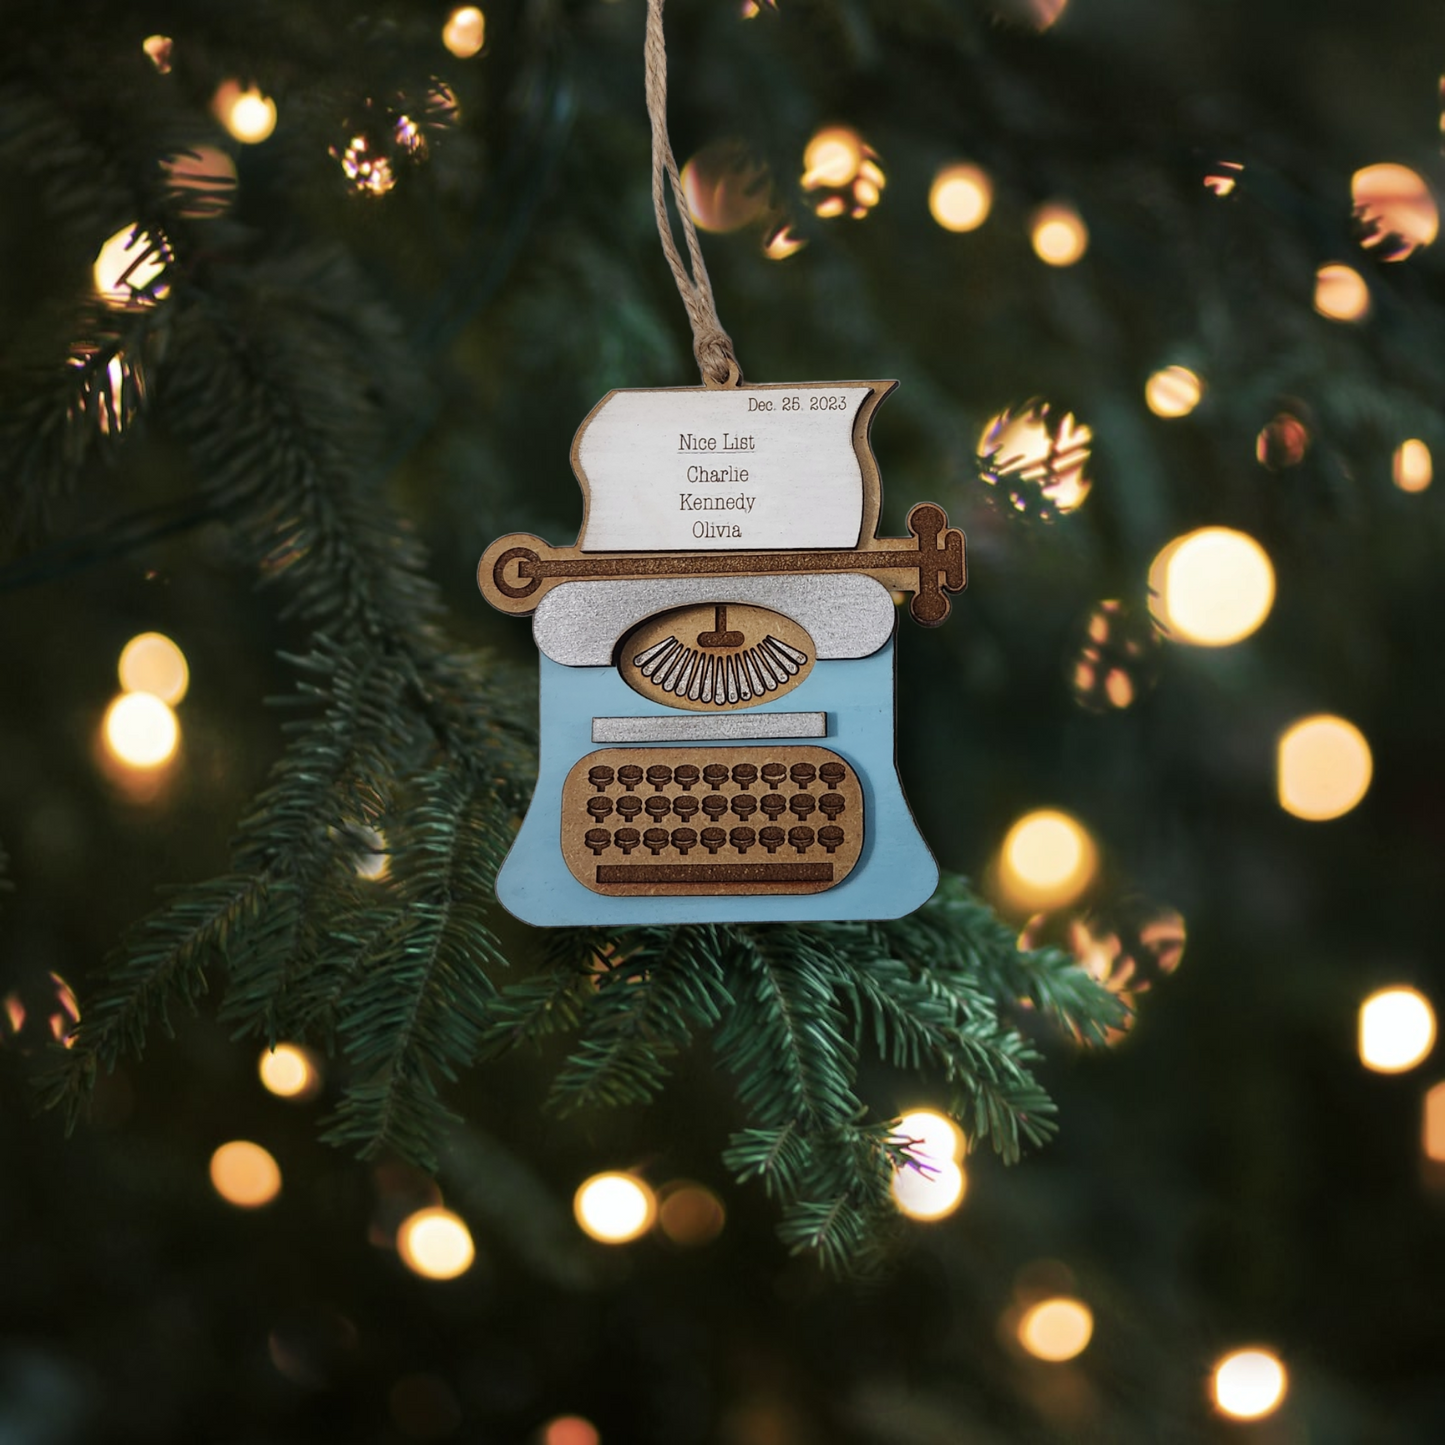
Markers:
(305, 306)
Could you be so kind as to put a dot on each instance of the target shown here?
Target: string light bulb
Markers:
(1434, 1124)
(935, 1190)
(1048, 859)
(129, 268)
(614, 1208)
(1211, 588)
(1058, 234)
(289, 1072)
(245, 1174)
(435, 1244)
(465, 32)
(1341, 293)
(151, 662)
(1397, 1030)
(1249, 1384)
(247, 114)
(1412, 467)
(961, 197)
(1056, 1329)
(140, 730)
(1173, 392)
(1323, 768)
(569, 1430)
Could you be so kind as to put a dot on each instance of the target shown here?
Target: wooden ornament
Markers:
(725, 604)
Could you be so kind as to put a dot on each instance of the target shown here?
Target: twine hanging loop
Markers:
(712, 346)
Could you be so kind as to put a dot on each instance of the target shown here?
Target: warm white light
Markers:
(244, 1174)
(1057, 1329)
(1397, 1030)
(247, 114)
(1059, 234)
(1173, 392)
(1341, 293)
(614, 1208)
(935, 1135)
(931, 1192)
(783, 243)
(1413, 469)
(1434, 1122)
(140, 730)
(691, 1215)
(153, 663)
(1048, 860)
(1396, 208)
(158, 50)
(435, 1244)
(1323, 767)
(961, 197)
(465, 32)
(288, 1072)
(832, 158)
(128, 270)
(1249, 1384)
(1211, 587)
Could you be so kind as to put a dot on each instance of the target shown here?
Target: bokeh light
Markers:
(151, 662)
(1175, 391)
(614, 1208)
(1282, 442)
(726, 188)
(1396, 211)
(140, 730)
(781, 243)
(1048, 860)
(1116, 660)
(289, 1072)
(245, 1174)
(367, 170)
(1412, 467)
(1323, 767)
(247, 114)
(1058, 234)
(435, 1243)
(1056, 1329)
(465, 32)
(1036, 461)
(844, 171)
(935, 1190)
(1224, 178)
(1249, 1384)
(41, 1011)
(960, 197)
(1397, 1030)
(158, 50)
(1130, 944)
(201, 182)
(1434, 1124)
(1211, 588)
(129, 269)
(690, 1215)
(569, 1430)
(1341, 293)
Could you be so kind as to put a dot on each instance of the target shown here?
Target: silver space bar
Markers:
(732, 727)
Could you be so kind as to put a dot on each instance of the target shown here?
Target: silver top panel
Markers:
(700, 727)
(845, 613)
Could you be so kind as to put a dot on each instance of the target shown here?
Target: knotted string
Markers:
(712, 346)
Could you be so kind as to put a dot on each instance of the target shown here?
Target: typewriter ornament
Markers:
(717, 665)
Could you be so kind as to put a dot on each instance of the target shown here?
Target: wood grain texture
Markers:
(648, 821)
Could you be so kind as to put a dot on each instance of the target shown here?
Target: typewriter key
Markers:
(627, 839)
(715, 805)
(802, 773)
(685, 775)
(598, 839)
(801, 838)
(745, 805)
(715, 775)
(832, 773)
(599, 777)
(774, 805)
(713, 839)
(685, 806)
(629, 775)
(629, 805)
(599, 807)
(831, 838)
(744, 775)
(801, 804)
(683, 839)
(659, 775)
(742, 839)
(772, 839)
(774, 773)
(832, 804)
(656, 840)
(658, 807)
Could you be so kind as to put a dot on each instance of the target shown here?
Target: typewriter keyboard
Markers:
(648, 820)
